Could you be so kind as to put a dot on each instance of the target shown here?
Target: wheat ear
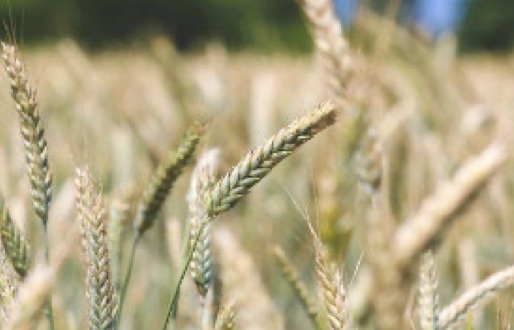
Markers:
(8, 285)
(99, 288)
(164, 177)
(201, 261)
(428, 297)
(330, 281)
(260, 161)
(291, 275)
(32, 131)
(474, 297)
(330, 44)
(14, 244)
(416, 234)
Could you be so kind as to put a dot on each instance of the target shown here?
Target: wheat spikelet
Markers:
(99, 288)
(14, 244)
(474, 297)
(428, 298)
(260, 161)
(330, 44)
(330, 281)
(201, 261)
(163, 179)
(225, 318)
(418, 232)
(27, 309)
(291, 275)
(32, 131)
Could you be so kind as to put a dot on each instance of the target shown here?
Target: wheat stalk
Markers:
(164, 177)
(474, 297)
(416, 234)
(14, 244)
(99, 288)
(260, 161)
(32, 131)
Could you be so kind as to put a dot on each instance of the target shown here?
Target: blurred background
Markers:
(119, 81)
(245, 24)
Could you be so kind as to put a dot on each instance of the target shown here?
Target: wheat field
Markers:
(365, 186)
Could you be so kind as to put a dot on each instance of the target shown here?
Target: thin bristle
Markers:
(32, 131)
(14, 244)
(164, 177)
(99, 287)
(260, 161)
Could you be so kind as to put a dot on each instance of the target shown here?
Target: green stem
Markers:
(126, 281)
(49, 310)
(173, 301)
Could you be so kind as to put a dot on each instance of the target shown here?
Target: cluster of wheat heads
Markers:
(25, 291)
(383, 285)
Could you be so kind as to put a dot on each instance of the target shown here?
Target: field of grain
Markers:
(397, 215)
